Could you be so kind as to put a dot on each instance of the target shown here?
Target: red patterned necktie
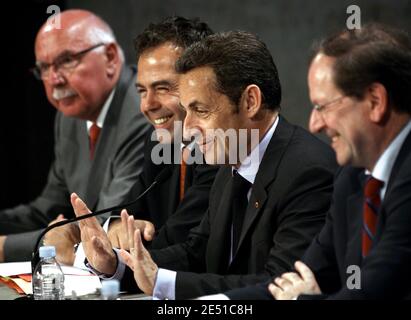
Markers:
(94, 133)
(372, 202)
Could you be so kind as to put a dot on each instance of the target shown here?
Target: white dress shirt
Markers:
(103, 113)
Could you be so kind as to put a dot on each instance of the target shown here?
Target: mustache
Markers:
(59, 94)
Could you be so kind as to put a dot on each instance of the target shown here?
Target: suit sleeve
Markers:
(20, 222)
(52, 201)
(140, 209)
(319, 257)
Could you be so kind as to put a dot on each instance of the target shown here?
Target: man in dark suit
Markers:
(99, 131)
(177, 204)
(265, 205)
(359, 82)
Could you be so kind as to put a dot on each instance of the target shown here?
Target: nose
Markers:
(150, 102)
(316, 123)
(187, 126)
(55, 77)
(189, 129)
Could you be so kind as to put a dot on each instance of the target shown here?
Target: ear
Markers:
(378, 97)
(250, 102)
(113, 58)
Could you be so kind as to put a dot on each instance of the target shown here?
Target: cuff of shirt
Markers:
(80, 257)
(80, 260)
(118, 275)
(165, 285)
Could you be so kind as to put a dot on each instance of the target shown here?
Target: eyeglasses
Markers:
(64, 63)
(322, 107)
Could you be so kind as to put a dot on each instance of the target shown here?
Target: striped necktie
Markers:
(372, 203)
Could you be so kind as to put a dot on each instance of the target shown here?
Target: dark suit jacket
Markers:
(103, 182)
(172, 219)
(287, 207)
(385, 272)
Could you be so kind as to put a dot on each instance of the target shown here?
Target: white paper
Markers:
(75, 279)
(82, 285)
(15, 268)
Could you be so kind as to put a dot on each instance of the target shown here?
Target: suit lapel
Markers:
(83, 163)
(174, 187)
(399, 162)
(266, 175)
(354, 210)
(402, 155)
(220, 236)
(107, 141)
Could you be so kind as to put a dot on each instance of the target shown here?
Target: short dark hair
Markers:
(178, 30)
(374, 53)
(238, 59)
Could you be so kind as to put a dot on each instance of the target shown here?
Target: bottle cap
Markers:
(47, 252)
(110, 289)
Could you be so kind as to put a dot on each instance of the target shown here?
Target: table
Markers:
(7, 293)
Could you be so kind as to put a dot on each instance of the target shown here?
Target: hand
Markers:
(63, 238)
(117, 233)
(139, 259)
(96, 244)
(290, 285)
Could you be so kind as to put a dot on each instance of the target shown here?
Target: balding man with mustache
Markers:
(99, 132)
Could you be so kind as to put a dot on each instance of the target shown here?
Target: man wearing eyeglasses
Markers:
(99, 132)
(360, 82)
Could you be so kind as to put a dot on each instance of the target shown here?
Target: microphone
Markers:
(160, 178)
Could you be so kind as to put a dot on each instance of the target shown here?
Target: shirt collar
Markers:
(103, 113)
(383, 167)
(249, 169)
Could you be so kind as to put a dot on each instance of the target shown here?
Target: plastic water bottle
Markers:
(48, 278)
(110, 289)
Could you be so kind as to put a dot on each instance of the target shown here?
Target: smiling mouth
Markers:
(162, 120)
